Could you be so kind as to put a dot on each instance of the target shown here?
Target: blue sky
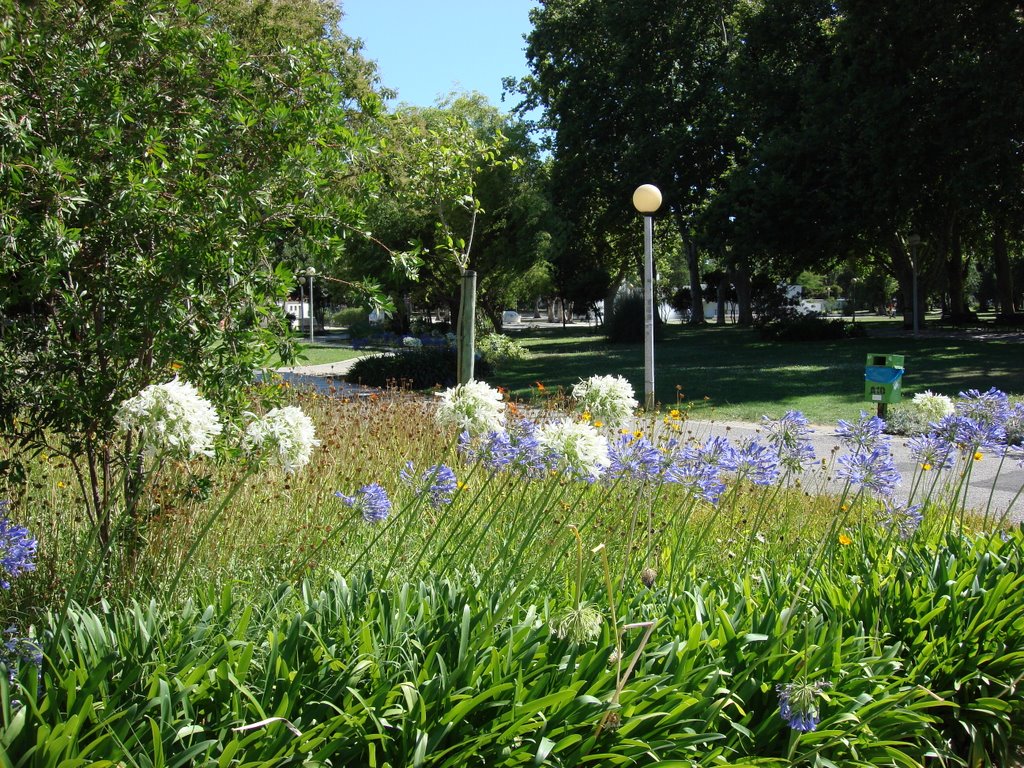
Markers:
(425, 49)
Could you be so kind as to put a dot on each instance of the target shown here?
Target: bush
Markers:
(412, 368)
(626, 322)
(496, 348)
(797, 327)
(356, 319)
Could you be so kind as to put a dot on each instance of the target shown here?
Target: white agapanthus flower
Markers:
(581, 448)
(608, 399)
(473, 407)
(932, 406)
(171, 418)
(411, 342)
(285, 436)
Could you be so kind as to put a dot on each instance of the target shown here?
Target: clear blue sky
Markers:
(425, 49)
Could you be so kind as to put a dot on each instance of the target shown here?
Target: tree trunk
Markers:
(723, 289)
(612, 292)
(956, 274)
(741, 278)
(1004, 274)
(696, 296)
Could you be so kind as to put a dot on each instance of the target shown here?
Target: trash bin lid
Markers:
(881, 374)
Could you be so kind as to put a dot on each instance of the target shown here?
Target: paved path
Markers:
(1003, 483)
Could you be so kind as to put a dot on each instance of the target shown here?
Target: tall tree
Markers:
(632, 94)
(154, 176)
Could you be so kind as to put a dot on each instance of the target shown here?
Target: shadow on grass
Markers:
(743, 376)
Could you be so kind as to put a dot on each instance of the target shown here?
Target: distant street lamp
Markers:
(914, 241)
(310, 272)
(853, 299)
(647, 200)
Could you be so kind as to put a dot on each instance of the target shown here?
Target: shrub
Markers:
(496, 348)
(795, 327)
(356, 319)
(625, 324)
(413, 368)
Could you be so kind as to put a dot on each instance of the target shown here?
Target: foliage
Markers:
(799, 327)
(157, 178)
(355, 319)
(625, 324)
(422, 368)
(356, 671)
(497, 348)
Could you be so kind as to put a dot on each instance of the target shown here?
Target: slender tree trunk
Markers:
(723, 288)
(1004, 274)
(742, 282)
(696, 296)
(956, 274)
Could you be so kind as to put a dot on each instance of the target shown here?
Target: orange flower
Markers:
(540, 387)
(844, 539)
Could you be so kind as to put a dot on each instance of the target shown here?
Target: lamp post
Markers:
(310, 272)
(914, 241)
(853, 300)
(647, 200)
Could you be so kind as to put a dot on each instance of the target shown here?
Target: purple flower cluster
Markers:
(864, 435)
(790, 437)
(634, 457)
(516, 449)
(438, 483)
(875, 471)
(17, 549)
(16, 650)
(699, 470)
(798, 704)
(932, 451)
(371, 501)
(755, 462)
(904, 519)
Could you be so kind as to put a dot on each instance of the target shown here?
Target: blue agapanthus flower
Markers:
(17, 549)
(15, 650)
(438, 483)
(864, 435)
(932, 452)
(875, 471)
(757, 463)
(798, 704)
(697, 470)
(371, 501)
(790, 437)
(514, 449)
(904, 519)
(634, 457)
(989, 408)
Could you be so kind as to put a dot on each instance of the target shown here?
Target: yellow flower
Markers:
(585, 416)
(461, 485)
(977, 456)
(60, 483)
(844, 539)
(637, 435)
(598, 424)
(926, 466)
(674, 413)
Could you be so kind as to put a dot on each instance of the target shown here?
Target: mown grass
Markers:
(730, 373)
(320, 354)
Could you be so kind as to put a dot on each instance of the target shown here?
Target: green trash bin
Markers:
(883, 378)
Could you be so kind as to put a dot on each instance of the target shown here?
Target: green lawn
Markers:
(743, 377)
(319, 354)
